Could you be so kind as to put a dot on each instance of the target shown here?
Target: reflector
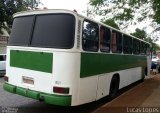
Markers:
(61, 90)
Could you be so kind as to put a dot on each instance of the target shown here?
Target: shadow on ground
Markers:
(38, 107)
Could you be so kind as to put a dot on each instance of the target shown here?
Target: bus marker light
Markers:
(6, 78)
(61, 90)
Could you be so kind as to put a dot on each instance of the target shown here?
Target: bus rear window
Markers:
(21, 31)
(54, 31)
(49, 30)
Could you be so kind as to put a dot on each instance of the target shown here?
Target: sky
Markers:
(79, 5)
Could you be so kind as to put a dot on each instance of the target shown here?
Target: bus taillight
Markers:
(6, 78)
(61, 90)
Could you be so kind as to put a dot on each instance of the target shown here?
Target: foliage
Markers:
(125, 9)
(143, 35)
(111, 23)
(124, 12)
(140, 34)
(156, 9)
(155, 47)
(9, 7)
(130, 13)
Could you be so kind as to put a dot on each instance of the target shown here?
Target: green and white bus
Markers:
(63, 58)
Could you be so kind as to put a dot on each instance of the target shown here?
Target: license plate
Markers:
(28, 80)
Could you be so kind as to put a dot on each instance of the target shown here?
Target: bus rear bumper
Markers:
(47, 98)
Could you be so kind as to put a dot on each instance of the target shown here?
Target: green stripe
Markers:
(57, 99)
(95, 63)
(38, 61)
(27, 93)
(63, 100)
(9, 88)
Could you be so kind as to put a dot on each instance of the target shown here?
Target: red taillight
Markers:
(61, 90)
(6, 78)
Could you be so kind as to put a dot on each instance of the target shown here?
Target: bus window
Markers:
(21, 31)
(142, 48)
(114, 48)
(105, 39)
(47, 30)
(136, 46)
(116, 42)
(119, 42)
(127, 44)
(90, 36)
(56, 31)
(148, 51)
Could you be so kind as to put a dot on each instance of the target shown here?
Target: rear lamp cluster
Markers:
(61, 90)
(5, 78)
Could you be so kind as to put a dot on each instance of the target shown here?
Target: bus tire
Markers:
(114, 87)
(146, 71)
(159, 69)
(145, 74)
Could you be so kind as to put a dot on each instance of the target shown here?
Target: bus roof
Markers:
(44, 11)
(49, 11)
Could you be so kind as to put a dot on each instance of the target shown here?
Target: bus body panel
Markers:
(103, 85)
(99, 69)
(104, 80)
(100, 84)
(129, 76)
(87, 89)
(87, 74)
(42, 80)
(65, 73)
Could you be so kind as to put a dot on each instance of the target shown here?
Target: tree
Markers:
(111, 23)
(128, 13)
(124, 12)
(9, 7)
(140, 34)
(125, 9)
(156, 9)
(143, 35)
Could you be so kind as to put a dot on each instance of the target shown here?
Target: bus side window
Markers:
(104, 39)
(142, 46)
(90, 36)
(114, 48)
(119, 42)
(138, 47)
(116, 42)
(127, 44)
(148, 51)
(134, 46)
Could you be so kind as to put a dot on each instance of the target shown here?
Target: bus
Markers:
(63, 58)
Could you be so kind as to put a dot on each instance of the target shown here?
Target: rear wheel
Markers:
(114, 86)
(146, 71)
(159, 69)
(144, 74)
